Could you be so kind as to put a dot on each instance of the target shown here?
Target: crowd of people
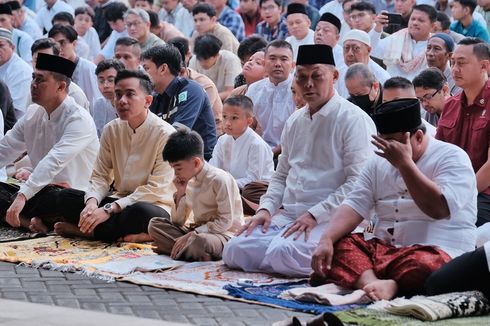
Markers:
(344, 141)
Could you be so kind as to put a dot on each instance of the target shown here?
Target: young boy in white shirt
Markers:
(210, 194)
(241, 151)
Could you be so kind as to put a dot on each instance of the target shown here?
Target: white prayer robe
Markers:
(272, 107)
(23, 43)
(62, 147)
(17, 74)
(395, 70)
(84, 76)
(248, 158)
(92, 39)
(181, 18)
(31, 27)
(320, 160)
(295, 43)
(381, 188)
(45, 15)
(110, 46)
(103, 112)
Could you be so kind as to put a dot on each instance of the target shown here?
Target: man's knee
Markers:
(156, 226)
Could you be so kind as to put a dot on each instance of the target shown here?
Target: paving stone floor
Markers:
(77, 291)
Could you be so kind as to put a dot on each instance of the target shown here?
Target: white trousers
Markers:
(272, 253)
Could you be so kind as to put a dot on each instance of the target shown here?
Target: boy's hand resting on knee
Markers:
(262, 217)
(305, 223)
(321, 261)
(179, 244)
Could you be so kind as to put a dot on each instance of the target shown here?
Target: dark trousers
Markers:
(464, 273)
(133, 219)
(483, 215)
(43, 204)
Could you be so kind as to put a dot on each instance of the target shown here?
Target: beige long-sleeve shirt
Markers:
(214, 199)
(132, 159)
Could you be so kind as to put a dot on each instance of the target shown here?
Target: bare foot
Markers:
(37, 226)
(140, 237)
(381, 289)
(68, 230)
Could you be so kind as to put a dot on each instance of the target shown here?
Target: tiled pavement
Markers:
(77, 291)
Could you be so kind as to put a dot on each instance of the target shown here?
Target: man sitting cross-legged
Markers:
(324, 146)
(130, 182)
(423, 192)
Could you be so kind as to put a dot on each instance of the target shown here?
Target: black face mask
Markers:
(364, 102)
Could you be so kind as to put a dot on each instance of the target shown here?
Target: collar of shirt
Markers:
(481, 100)
(326, 108)
(198, 179)
(56, 114)
(173, 87)
(242, 137)
(284, 83)
(141, 128)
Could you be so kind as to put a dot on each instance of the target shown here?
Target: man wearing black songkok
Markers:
(423, 195)
(60, 139)
(324, 146)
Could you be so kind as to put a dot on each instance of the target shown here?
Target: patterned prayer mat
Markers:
(269, 293)
(371, 317)
(10, 234)
(85, 256)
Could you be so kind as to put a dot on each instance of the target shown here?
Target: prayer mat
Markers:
(206, 278)
(270, 293)
(76, 255)
(374, 317)
(8, 233)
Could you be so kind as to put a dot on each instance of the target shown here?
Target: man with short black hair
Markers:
(464, 23)
(206, 22)
(84, 74)
(115, 18)
(465, 121)
(228, 18)
(24, 21)
(45, 15)
(443, 24)
(128, 51)
(21, 39)
(181, 102)
(130, 182)
(221, 66)
(432, 91)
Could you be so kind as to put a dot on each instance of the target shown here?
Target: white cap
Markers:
(5, 34)
(358, 35)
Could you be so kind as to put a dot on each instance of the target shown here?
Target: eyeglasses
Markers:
(428, 97)
(358, 16)
(135, 24)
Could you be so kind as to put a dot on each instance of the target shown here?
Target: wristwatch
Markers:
(108, 208)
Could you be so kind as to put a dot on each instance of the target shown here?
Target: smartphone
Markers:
(394, 19)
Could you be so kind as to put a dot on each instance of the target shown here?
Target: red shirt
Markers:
(467, 126)
(250, 22)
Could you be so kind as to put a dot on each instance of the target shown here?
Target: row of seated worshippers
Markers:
(338, 166)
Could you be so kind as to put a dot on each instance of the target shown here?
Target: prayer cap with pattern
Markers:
(5, 34)
(332, 19)
(5, 9)
(56, 64)
(315, 53)
(14, 5)
(399, 115)
(296, 8)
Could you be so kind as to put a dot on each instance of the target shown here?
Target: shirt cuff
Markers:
(124, 202)
(202, 229)
(268, 207)
(27, 191)
(94, 195)
(319, 213)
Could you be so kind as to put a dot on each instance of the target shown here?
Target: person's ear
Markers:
(250, 120)
(214, 19)
(148, 100)
(485, 64)
(445, 89)
(335, 75)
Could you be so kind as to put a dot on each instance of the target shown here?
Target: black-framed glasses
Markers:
(428, 97)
